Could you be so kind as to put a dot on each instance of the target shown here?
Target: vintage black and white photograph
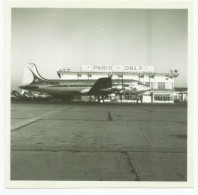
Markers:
(99, 94)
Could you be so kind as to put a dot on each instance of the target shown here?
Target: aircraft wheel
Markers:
(139, 101)
(101, 101)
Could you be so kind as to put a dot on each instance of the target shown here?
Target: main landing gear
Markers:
(100, 99)
(139, 100)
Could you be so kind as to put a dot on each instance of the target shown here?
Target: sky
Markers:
(55, 38)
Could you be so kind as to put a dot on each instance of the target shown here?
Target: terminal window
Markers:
(130, 97)
(154, 85)
(161, 85)
(163, 97)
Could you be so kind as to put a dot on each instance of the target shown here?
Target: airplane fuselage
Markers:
(78, 87)
(63, 87)
(100, 87)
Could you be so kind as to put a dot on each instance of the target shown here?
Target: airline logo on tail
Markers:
(36, 76)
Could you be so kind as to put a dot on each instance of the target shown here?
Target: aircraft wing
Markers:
(102, 86)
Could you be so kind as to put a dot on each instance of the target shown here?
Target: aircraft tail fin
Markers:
(36, 76)
(31, 74)
(101, 85)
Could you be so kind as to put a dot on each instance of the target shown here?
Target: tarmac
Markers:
(98, 142)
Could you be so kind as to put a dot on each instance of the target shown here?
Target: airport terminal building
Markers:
(161, 84)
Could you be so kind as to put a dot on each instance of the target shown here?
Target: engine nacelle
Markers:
(117, 88)
(112, 95)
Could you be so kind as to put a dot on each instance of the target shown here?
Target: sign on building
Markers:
(116, 68)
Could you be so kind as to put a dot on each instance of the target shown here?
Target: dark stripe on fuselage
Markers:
(70, 85)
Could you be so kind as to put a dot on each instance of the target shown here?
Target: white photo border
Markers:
(98, 4)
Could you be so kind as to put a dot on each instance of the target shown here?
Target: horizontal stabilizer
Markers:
(29, 87)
